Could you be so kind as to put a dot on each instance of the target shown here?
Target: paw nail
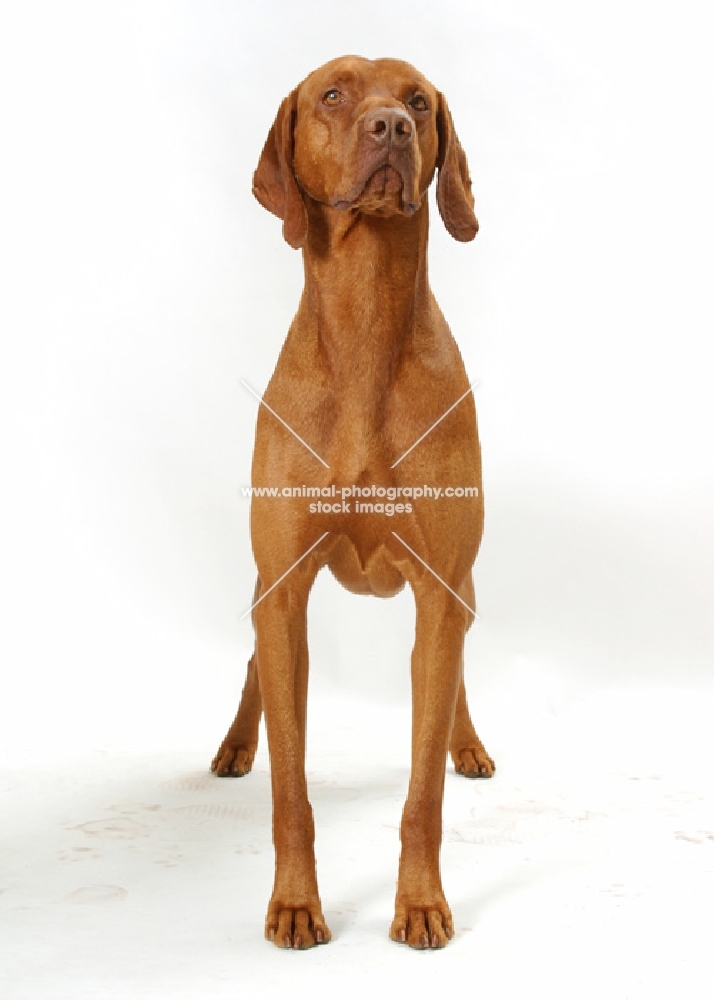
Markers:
(318, 937)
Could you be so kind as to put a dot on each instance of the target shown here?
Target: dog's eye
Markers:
(419, 103)
(332, 97)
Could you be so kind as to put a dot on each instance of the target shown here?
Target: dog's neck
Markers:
(365, 282)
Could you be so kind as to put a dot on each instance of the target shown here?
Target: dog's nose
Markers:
(389, 126)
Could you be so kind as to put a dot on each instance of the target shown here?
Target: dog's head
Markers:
(367, 136)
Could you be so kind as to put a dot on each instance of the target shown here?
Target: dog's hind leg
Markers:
(467, 751)
(236, 752)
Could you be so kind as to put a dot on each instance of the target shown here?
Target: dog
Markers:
(369, 393)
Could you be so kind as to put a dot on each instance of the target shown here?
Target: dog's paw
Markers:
(473, 762)
(296, 927)
(422, 926)
(232, 761)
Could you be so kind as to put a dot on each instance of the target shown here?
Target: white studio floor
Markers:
(584, 868)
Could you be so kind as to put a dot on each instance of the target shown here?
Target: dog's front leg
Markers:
(422, 915)
(294, 918)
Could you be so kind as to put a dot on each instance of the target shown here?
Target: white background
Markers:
(142, 282)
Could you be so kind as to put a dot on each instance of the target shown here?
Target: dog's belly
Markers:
(372, 573)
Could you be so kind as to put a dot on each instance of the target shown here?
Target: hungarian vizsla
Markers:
(368, 368)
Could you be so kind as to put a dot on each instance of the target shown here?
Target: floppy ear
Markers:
(274, 183)
(453, 187)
